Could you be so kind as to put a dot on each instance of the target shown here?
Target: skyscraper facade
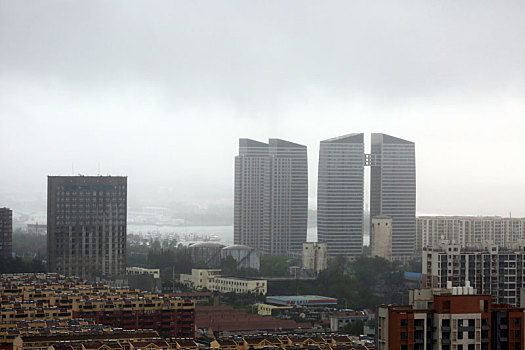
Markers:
(6, 233)
(86, 225)
(271, 196)
(340, 194)
(393, 189)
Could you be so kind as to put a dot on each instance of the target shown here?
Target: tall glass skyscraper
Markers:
(393, 189)
(271, 196)
(340, 194)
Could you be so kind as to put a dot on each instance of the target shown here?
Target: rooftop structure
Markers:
(301, 300)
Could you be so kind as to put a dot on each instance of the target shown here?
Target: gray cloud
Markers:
(161, 90)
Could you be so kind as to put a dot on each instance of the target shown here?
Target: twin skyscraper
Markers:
(271, 193)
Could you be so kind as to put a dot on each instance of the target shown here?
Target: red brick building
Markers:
(442, 319)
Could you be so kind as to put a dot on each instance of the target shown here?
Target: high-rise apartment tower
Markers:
(86, 225)
(6, 233)
(271, 196)
(340, 194)
(393, 189)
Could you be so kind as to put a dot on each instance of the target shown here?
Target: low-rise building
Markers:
(142, 271)
(301, 300)
(264, 309)
(30, 297)
(212, 280)
(341, 319)
(200, 278)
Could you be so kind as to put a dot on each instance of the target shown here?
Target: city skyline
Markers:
(146, 83)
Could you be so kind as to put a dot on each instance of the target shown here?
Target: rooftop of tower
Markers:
(283, 143)
(251, 143)
(349, 138)
(384, 138)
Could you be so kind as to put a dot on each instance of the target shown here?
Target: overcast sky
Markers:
(161, 91)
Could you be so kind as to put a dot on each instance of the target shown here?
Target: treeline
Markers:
(361, 284)
(19, 265)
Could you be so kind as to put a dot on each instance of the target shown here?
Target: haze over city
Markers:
(161, 92)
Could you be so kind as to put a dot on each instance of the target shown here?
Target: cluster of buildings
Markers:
(468, 231)
(102, 339)
(271, 194)
(448, 319)
(37, 300)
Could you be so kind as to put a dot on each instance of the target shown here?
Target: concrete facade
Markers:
(340, 194)
(381, 237)
(490, 269)
(468, 230)
(6, 233)
(271, 196)
(86, 225)
(393, 190)
(213, 281)
(440, 319)
(315, 256)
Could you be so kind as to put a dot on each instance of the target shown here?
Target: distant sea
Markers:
(224, 233)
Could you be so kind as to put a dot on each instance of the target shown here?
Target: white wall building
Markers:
(213, 281)
(381, 237)
(315, 256)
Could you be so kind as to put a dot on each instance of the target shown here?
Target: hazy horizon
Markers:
(161, 92)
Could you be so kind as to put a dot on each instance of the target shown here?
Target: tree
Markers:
(355, 327)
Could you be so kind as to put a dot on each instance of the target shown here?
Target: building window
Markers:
(404, 335)
(404, 323)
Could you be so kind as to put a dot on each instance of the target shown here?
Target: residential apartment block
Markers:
(86, 225)
(271, 196)
(490, 269)
(6, 233)
(32, 297)
(445, 319)
(468, 230)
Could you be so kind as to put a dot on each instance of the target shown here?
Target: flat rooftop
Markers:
(301, 300)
